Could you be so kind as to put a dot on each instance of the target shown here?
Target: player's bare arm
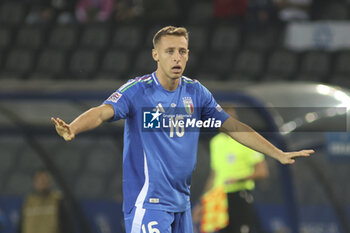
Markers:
(250, 138)
(90, 119)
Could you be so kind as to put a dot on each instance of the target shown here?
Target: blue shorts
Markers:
(141, 220)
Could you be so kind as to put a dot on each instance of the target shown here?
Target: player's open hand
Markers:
(289, 157)
(63, 129)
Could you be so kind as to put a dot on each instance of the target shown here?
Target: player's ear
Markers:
(155, 55)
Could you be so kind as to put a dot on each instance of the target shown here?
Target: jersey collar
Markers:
(155, 79)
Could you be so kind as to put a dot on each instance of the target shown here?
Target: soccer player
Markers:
(158, 161)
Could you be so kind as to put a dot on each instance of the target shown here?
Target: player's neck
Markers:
(167, 83)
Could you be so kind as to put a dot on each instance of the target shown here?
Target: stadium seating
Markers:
(224, 52)
(149, 33)
(28, 161)
(116, 62)
(5, 37)
(12, 13)
(127, 37)
(282, 64)
(72, 51)
(342, 62)
(51, 61)
(200, 13)
(315, 66)
(193, 63)
(144, 63)
(83, 63)
(199, 38)
(336, 10)
(90, 186)
(95, 37)
(18, 184)
(19, 61)
(30, 37)
(217, 62)
(225, 38)
(8, 155)
(63, 37)
(249, 63)
(315, 63)
(261, 40)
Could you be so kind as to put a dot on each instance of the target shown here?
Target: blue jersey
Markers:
(158, 163)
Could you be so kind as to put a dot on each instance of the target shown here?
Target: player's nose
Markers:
(176, 56)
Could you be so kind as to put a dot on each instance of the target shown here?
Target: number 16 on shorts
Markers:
(151, 227)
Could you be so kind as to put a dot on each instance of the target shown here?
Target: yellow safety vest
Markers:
(232, 160)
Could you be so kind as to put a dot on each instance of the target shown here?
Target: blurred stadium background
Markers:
(291, 79)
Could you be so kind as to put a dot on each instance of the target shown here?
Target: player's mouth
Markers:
(176, 69)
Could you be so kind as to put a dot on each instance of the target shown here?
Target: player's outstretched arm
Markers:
(250, 138)
(90, 119)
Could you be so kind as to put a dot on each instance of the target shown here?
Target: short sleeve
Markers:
(120, 104)
(214, 149)
(210, 108)
(257, 157)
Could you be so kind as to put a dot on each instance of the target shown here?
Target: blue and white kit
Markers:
(157, 165)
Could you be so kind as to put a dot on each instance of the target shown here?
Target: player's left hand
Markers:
(289, 157)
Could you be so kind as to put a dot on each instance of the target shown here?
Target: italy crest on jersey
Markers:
(188, 104)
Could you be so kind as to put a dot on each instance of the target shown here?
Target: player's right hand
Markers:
(63, 129)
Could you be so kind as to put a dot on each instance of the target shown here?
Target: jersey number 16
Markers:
(174, 124)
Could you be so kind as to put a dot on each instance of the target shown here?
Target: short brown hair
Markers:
(170, 30)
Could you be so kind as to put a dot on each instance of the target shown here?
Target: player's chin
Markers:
(176, 75)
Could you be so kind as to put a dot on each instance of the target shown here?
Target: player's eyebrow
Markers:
(175, 48)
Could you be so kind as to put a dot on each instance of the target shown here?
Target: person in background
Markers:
(47, 11)
(40, 11)
(44, 211)
(64, 10)
(236, 168)
(128, 10)
(147, 10)
(230, 9)
(261, 13)
(291, 10)
(155, 10)
(94, 10)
